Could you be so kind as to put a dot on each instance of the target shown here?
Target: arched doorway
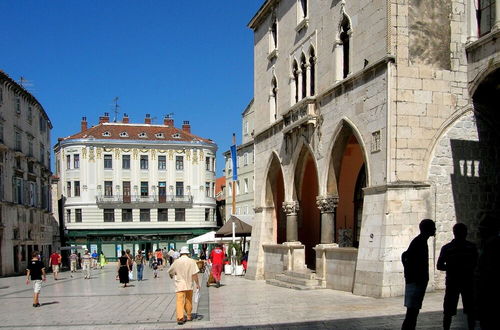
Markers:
(347, 178)
(275, 196)
(309, 221)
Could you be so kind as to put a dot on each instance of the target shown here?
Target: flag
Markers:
(234, 158)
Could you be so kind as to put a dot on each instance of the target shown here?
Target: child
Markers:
(155, 268)
(35, 271)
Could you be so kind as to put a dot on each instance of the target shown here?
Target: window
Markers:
(30, 146)
(68, 162)
(108, 162)
(162, 162)
(68, 189)
(144, 162)
(144, 215)
(1, 132)
(143, 135)
(207, 214)
(76, 161)
(109, 215)
(274, 34)
(245, 186)
(312, 72)
(180, 214)
(126, 215)
(19, 141)
(159, 135)
(30, 115)
(486, 16)
(245, 127)
(78, 215)
(295, 73)
(30, 167)
(162, 214)
(144, 189)
(42, 154)
(245, 159)
(303, 69)
(108, 188)
(237, 188)
(179, 188)
(207, 189)
(18, 105)
(345, 35)
(43, 124)
(207, 163)
(77, 188)
(179, 163)
(273, 100)
(106, 133)
(126, 162)
(68, 216)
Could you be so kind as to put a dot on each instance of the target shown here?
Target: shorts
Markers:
(451, 299)
(55, 268)
(414, 294)
(37, 286)
(159, 261)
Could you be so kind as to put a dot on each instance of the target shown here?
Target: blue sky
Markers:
(192, 58)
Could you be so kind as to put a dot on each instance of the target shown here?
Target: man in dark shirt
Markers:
(416, 270)
(458, 258)
(35, 270)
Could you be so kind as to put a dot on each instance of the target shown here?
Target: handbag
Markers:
(131, 275)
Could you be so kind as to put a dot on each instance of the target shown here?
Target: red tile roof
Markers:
(112, 131)
(219, 184)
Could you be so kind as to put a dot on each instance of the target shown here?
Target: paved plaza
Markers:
(101, 303)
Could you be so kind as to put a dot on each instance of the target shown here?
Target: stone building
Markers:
(369, 117)
(135, 186)
(245, 161)
(26, 222)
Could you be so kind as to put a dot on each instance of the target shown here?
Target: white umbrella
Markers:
(205, 238)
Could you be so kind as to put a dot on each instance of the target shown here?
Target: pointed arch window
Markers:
(345, 36)
(295, 72)
(273, 100)
(303, 8)
(312, 68)
(303, 68)
(274, 33)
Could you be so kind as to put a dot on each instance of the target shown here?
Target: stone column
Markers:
(497, 15)
(338, 61)
(291, 209)
(327, 206)
(300, 82)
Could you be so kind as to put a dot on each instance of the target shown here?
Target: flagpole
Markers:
(234, 180)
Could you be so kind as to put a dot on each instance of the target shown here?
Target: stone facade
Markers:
(26, 220)
(369, 100)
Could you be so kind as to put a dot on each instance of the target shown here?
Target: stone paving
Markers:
(101, 303)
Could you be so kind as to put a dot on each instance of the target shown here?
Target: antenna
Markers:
(24, 83)
(116, 108)
(169, 115)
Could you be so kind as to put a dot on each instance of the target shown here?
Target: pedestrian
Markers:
(185, 271)
(155, 268)
(124, 268)
(139, 263)
(217, 259)
(94, 259)
(164, 255)
(489, 273)
(150, 259)
(176, 255)
(102, 260)
(130, 265)
(170, 255)
(86, 264)
(458, 258)
(159, 258)
(73, 260)
(54, 262)
(416, 271)
(35, 272)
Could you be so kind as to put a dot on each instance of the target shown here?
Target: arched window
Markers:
(312, 65)
(345, 35)
(295, 72)
(303, 6)
(274, 33)
(273, 101)
(303, 68)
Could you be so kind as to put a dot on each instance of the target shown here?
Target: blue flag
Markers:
(234, 158)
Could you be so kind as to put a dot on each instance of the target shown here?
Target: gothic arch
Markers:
(274, 196)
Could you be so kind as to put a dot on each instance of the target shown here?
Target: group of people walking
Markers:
(469, 274)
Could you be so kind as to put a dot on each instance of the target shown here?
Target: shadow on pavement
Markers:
(428, 320)
(49, 303)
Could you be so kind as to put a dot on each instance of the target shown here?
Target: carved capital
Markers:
(327, 204)
(291, 208)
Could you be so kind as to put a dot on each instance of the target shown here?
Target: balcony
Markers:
(144, 202)
(301, 114)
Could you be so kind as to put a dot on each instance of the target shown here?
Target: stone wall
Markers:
(338, 266)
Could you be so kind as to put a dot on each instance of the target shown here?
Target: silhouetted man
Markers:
(416, 269)
(458, 258)
(489, 274)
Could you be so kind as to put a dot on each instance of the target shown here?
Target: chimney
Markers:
(147, 120)
(125, 119)
(168, 121)
(84, 124)
(186, 127)
(104, 119)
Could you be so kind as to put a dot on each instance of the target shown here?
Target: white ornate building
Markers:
(26, 222)
(135, 186)
(369, 117)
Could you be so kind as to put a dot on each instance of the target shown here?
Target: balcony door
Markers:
(162, 191)
(126, 191)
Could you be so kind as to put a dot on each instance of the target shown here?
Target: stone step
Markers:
(307, 274)
(291, 285)
(297, 280)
